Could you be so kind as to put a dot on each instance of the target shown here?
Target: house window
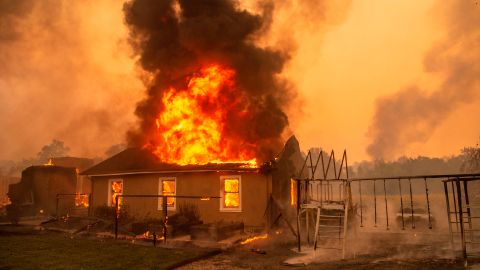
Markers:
(167, 186)
(231, 193)
(115, 188)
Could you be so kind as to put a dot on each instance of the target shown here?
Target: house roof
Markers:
(75, 162)
(142, 161)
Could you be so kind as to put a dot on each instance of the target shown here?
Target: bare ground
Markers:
(387, 251)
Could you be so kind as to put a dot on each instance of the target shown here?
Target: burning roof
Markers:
(138, 160)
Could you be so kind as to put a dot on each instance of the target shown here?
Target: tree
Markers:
(55, 149)
(471, 159)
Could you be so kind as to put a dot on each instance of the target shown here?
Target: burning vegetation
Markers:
(214, 96)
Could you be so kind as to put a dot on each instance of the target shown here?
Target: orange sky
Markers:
(343, 60)
(376, 51)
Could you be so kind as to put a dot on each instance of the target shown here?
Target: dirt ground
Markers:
(241, 258)
(389, 251)
(370, 250)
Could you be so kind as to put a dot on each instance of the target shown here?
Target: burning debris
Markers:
(214, 96)
(81, 200)
(254, 238)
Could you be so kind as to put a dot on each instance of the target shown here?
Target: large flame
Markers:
(191, 126)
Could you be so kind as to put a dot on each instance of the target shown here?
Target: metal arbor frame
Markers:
(465, 212)
(323, 198)
(315, 190)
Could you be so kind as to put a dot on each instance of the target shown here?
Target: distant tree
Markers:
(405, 166)
(471, 159)
(55, 149)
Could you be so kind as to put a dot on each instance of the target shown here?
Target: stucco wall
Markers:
(254, 195)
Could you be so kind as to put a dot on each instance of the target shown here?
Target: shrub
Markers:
(187, 216)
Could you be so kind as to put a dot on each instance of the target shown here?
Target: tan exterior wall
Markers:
(254, 195)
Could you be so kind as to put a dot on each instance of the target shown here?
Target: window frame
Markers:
(222, 193)
(109, 198)
(160, 192)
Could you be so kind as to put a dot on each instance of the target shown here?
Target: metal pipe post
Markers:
(386, 202)
(298, 216)
(411, 203)
(361, 203)
(165, 218)
(89, 213)
(455, 205)
(467, 205)
(56, 207)
(460, 212)
(428, 205)
(401, 203)
(447, 201)
(154, 238)
(116, 217)
(375, 201)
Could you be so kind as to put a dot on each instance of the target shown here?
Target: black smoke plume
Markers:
(173, 39)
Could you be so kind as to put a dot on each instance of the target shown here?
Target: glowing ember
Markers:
(81, 200)
(254, 238)
(49, 163)
(191, 129)
(149, 235)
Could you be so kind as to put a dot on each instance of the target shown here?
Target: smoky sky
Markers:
(412, 114)
(173, 39)
(65, 74)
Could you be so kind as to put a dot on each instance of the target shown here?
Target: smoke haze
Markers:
(413, 114)
(65, 73)
(68, 72)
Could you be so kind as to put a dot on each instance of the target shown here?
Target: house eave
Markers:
(250, 170)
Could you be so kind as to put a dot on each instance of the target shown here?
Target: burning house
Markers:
(212, 115)
(40, 186)
(244, 189)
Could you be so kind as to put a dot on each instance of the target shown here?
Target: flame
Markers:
(149, 235)
(191, 127)
(168, 188)
(81, 200)
(49, 162)
(5, 201)
(231, 196)
(293, 192)
(117, 189)
(254, 238)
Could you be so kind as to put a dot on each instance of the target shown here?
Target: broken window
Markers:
(167, 186)
(230, 193)
(115, 189)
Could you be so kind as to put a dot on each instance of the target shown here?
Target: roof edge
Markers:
(173, 171)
